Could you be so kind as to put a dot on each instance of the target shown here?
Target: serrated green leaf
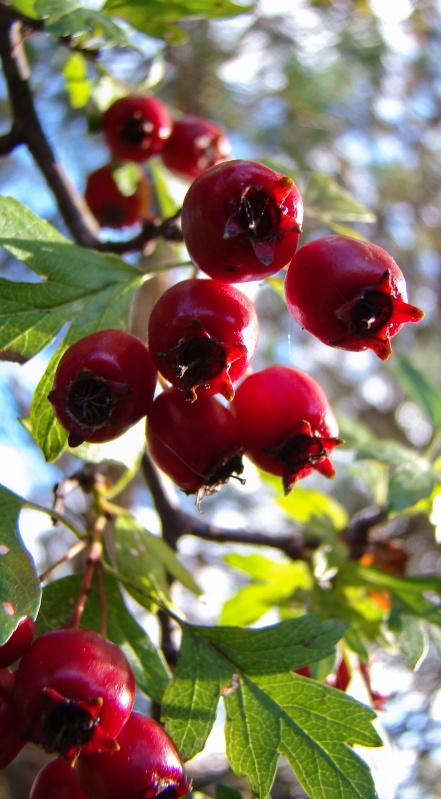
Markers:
(69, 18)
(409, 593)
(270, 710)
(59, 599)
(90, 290)
(141, 14)
(77, 83)
(20, 591)
(144, 560)
(26, 7)
(419, 388)
(331, 203)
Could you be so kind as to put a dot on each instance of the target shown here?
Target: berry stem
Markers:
(93, 560)
(71, 553)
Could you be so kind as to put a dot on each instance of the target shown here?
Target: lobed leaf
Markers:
(68, 18)
(20, 591)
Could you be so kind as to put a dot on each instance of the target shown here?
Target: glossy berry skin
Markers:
(110, 207)
(195, 144)
(349, 293)
(74, 691)
(56, 780)
(241, 221)
(196, 444)
(147, 764)
(286, 423)
(104, 383)
(18, 643)
(202, 336)
(136, 127)
(11, 742)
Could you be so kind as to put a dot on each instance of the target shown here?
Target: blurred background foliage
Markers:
(346, 96)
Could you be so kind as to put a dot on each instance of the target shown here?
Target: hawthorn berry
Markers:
(18, 643)
(111, 206)
(11, 742)
(286, 423)
(146, 764)
(104, 383)
(56, 780)
(349, 294)
(136, 127)
(202, 336)
(241, 221)
(194, 145)
(74, 691)
(196, 444)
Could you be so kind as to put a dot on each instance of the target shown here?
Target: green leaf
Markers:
(225, 792)
(270, 710)
(419, 388)
(69, 18)
(142, 13)
(409, 592)
(26, 7)
(20, 591)
(147, 662)
(144, 560)
(278, 582)
(77, 83)
(88, 289)
(331, 203)
(409, 482)
(168, 206)
(411, 637)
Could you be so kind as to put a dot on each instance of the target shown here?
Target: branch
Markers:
(176, 523)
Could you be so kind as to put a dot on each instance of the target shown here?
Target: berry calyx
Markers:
(18, 643)
(73, 690)
(11, 742)
(136, 127)
(194, 145)
(349, 293)
(103, 385)
(56, 780)
(202, 336)
(286, 423)
(241, 221)
(196, 444)
(111, 206)
(146, 765)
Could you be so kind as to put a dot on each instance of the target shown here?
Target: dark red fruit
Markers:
(74, 691)
(136, 127)
(241, 221)
(18, 643)
(112, 207)
(147, 764)
(194, 145)
(196, 444)
(349, 293)
(286, 423)
(11, 728)
(56, 780)
(202, 336)
(103, 385)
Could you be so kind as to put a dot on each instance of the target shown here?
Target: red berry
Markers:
(110, 206)
(56, 780)
(103, 385)
(202, 336)
(11, 728)
(147, 764)
(136, 127)
(286, 423)
(349, 293)
(196, 444)
(73, 690)
(194, 145)
(241, 221)
(18, 643)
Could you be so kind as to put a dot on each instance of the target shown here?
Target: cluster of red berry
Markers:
(241, 221)
(72, 694)
(135, 128)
